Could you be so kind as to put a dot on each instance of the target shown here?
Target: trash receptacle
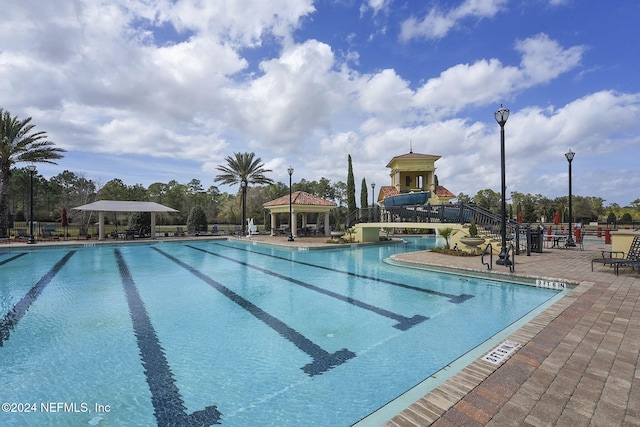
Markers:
(536, 240)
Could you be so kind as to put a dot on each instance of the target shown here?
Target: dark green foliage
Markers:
(473, 229)
(351, 189)
(140, 222)
(197, 219)
(364, 194)
(19, 143)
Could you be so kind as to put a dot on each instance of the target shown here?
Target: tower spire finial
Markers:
(410, 146)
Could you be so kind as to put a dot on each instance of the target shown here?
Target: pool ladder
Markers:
(489, 248)
(489, 264)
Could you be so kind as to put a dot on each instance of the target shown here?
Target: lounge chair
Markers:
(616, 259)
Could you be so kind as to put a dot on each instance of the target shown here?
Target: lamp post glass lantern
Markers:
(501, 117)
(290, 170)
(31, 169)
(570, 241)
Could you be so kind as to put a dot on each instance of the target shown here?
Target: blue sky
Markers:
(155, 91)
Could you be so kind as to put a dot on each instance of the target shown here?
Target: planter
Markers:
(337, 233)
(472, 241)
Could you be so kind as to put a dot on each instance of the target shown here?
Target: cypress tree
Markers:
(351, 189)
(364, 194)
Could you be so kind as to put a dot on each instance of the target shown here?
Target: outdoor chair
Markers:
(578, 240)
(616, 259)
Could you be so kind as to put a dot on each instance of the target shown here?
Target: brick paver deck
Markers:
(578, 363)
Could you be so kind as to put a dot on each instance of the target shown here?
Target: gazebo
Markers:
(103, 206)
(301, 203)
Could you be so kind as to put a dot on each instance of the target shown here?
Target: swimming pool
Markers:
(231, 333)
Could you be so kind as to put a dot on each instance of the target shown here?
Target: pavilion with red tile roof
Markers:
(302, 203)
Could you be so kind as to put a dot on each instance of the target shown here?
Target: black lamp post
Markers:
(373, 194)
(570, 241)
(373, 201)
(501, 117)
(290, 170)
(243, 184)
(31, 169)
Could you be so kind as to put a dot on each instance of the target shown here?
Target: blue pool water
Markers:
(231, 333)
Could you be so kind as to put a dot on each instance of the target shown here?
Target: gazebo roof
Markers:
(300, 202)
(124, 206)
(300, 198)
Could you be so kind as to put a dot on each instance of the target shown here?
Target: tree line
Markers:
(19, 143)
(68, 190)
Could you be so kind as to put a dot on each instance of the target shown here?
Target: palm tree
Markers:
(19, 144)
(243, 169)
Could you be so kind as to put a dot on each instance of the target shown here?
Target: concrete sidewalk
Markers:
(578, 360)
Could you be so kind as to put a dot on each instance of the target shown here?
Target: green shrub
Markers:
(197, 219)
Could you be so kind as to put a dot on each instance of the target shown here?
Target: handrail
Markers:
(490, 263)
(512, 264)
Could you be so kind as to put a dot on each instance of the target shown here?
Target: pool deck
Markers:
(577, 363)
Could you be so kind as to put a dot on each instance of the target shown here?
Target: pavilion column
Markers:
(294, 224)
(327, 226)
(273, 224)
(100, 225)
(153, 225)
(304, 220)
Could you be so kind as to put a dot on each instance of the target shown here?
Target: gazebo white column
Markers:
(273, 224)
(327, 226)
(101, 225)
(294, 224)
(153, 225)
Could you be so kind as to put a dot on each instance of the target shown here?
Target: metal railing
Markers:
(489, 249)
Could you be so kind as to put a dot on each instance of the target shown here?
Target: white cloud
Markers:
(102, 77)
(544, 59)
(487, 81)
(437, 24)
(297, 92)
(241, 22)
(375, 5)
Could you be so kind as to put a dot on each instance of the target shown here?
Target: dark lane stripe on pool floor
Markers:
(322, 359)
(11, 319)
(403, 324)
(4, 261)
(456, 299)
(168, 406)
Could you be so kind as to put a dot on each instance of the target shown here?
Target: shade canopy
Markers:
(102, 206)
(124, 206)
